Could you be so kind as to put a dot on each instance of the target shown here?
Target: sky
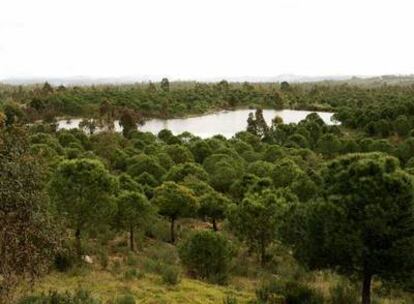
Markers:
(200, 39)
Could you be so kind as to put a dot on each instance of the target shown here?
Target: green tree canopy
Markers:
(142, 163)
(257, 218)
(365, 224)
(82, 190)
(134, 210)
(213, 206)
(174, 201)
(179, 172)
(208, 255)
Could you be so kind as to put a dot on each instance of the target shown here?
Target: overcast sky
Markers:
(205, 38)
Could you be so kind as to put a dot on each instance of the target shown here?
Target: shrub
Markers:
(125, 299)
(296, 293)
(53, 297)
(290, 292)
(207, 255)
(103, 259)
(269, 293)
(230, 300)
(116, 267)
(151, 265)
(64, 261)
(159, 230)
(164, 253)
(132, 260)
(343, 293)
(171, 275)
(133, 274)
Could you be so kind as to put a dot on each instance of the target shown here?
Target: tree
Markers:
(29, 235)
(134, 210)
(257, 125)
(179, 172)
(47, 88)
(260, 168)
(82, 190)
(129, 120)
(329, 144)
(257, 218)
(143, 163)
(284, 86)
(179, 153)
(213, 205)
(200, 150)
(174, 201)
(88, 124)
(402, 125)
(165, 85)
(127, 183)
(13, 113)
(405, 150)
(208, 255)
(365, 224)
(284, 172)
(223, 176)
(106, 114)
(223, 168)
(37, 103)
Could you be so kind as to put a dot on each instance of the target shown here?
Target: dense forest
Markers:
(277, 214)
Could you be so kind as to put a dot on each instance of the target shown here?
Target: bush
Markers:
(125, 299)
(296, 293)
(133, 274)
(230, 300)
(151, 265)
(64, 261)
(269, 293)
(159, 230)
(53, 297)
(171, 275)
(343, 293)
(103, 259)
(116, 267)
(207, 255)
(132, 260)
(290, 292)
(164, 253)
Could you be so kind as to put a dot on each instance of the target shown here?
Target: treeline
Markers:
(378, 110)
(151, 100)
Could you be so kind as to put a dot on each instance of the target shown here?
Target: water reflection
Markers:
(226, 123)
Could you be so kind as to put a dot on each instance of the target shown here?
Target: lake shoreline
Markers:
(223, 122)
(211, 111)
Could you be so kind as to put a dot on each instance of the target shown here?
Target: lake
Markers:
(226, 123)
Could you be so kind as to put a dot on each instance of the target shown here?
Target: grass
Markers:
(148, 290)
(147, 287)
(141, 275)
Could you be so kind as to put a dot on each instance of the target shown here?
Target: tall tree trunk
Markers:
(366, 288)
(172, 230)
(78, 242)
(214, 225)
(131, 237)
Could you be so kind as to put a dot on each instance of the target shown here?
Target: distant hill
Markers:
(85, 80)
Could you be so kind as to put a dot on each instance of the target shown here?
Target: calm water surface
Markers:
(226, 123)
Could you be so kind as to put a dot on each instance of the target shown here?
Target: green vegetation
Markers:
(207, 254)
(279, 213)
